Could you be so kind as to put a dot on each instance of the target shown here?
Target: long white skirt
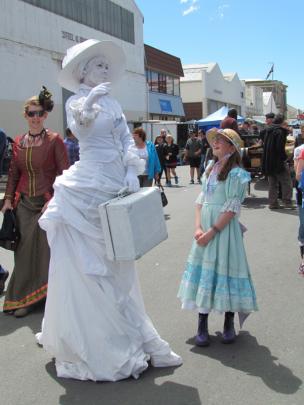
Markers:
(95, 323)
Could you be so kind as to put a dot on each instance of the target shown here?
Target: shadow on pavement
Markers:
(259, 184)
(247, 355)
(287, 211)
(255, 202)
(9, 323)
(145, 390)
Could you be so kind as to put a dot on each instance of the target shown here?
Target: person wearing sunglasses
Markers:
(39, 156)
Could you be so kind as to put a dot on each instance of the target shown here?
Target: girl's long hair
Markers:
(233, 161)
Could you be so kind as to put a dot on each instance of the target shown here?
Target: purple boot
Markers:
(202, 337)
(229, 334)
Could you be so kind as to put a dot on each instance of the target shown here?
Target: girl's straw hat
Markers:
(228, 133)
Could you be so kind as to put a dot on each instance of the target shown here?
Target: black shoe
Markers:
(3, 277)
(202, 337)
(191, 181)
(229, 334)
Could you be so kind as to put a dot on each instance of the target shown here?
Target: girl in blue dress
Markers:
(217, 275)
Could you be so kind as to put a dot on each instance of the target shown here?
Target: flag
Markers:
(270, 71)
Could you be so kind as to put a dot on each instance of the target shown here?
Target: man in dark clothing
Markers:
(231, 120)
(201, 135)
(268, 121)
(193, 151)
(160, 149)
(275, 165)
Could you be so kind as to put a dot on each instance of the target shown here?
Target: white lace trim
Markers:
(232, 205)
(84, 117)
(199, 199)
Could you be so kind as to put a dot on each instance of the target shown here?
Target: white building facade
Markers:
(269, 103)
(253, 101)
(205, 89)
(34, 36)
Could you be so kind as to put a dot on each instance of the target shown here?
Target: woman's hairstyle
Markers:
(140, 132)
(68, 132)
(233, 161)
(170, 137)
(44, 100)
(31, 101)
(159, 137)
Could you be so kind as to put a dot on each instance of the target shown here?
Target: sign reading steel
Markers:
(72, 37)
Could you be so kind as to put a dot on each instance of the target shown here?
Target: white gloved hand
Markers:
(95, 94)
(131, 180)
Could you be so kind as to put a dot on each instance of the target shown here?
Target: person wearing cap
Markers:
(193, 151)
(95, 323)
(39, 155)
(217, 276)
(269, 117)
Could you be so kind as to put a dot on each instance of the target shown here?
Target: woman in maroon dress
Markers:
(39, 156)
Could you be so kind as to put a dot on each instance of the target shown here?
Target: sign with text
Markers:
(165, 105)
(71, 37)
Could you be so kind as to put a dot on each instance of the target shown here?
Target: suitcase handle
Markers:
(123, 192)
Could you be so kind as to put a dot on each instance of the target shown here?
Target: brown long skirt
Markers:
(28, 283)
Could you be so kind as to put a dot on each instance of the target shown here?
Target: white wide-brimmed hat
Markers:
(89, 49)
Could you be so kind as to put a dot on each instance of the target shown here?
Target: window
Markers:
(162, 85)
(170, 85)
(148, 78)
(176, 86)
(154, 81)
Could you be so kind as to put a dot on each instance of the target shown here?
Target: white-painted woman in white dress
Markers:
(95, 324)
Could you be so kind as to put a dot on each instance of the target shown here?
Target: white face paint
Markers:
(96, 71)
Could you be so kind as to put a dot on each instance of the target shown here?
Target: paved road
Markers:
(265, 366)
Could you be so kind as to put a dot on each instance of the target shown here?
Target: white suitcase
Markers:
(133, 224)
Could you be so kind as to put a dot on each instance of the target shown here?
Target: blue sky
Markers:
(243, 36)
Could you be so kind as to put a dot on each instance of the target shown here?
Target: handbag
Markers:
(133, 224)
(164, 198)
(9, 234)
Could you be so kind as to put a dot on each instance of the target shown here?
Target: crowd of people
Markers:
(95, 324)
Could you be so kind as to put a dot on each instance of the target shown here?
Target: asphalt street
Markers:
(264, 366)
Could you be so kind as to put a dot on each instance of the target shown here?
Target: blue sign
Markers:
(165, 105)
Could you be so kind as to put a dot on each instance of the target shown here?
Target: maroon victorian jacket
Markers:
(33, 169)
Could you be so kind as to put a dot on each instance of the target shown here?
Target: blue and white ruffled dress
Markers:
(217, 276)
